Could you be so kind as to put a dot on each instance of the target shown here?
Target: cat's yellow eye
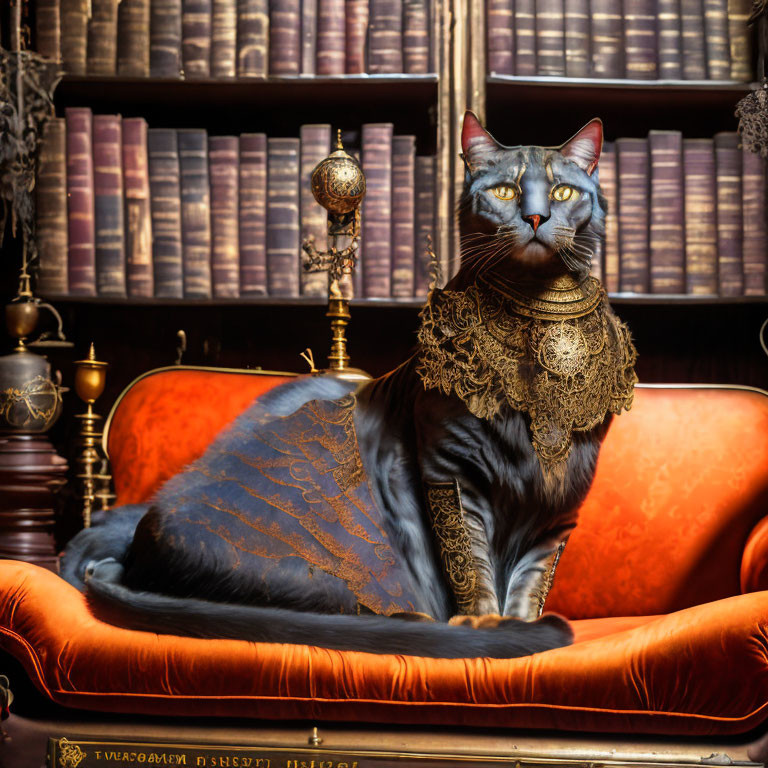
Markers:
(563, 193)
(504, 192)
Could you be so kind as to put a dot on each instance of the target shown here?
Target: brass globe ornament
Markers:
(338, 185)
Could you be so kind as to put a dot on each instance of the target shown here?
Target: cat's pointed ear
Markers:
(584, 148)
(476, 142)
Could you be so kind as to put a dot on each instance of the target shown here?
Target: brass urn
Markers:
(30, 400)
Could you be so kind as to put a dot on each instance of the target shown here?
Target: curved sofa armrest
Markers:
(754, 560)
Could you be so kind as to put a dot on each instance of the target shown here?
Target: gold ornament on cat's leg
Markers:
(90, 378)
(338, 184)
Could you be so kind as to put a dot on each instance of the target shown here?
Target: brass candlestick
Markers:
(90, 378)
(338, 184)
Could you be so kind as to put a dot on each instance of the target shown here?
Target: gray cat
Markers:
(423, 513)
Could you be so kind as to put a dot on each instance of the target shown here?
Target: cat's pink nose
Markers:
(534, 221)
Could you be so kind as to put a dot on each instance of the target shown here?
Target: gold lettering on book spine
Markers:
(444, 502)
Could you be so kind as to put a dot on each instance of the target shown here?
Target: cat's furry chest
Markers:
(509, 504)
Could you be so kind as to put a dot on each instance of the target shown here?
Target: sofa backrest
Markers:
(681, 481)
(166, 418)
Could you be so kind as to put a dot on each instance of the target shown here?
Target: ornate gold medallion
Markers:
(558, 354)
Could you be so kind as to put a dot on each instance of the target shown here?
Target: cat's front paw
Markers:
(484, 621)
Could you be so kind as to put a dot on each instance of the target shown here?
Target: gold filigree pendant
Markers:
(560, 355)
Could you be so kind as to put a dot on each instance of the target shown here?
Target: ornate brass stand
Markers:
(90, 378)
(338, 184)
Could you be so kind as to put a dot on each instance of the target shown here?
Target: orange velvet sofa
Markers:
(662, 578)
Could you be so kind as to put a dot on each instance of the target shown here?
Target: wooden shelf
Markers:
(276, 105)
(710, 86)
(625, 299)
(698, 108)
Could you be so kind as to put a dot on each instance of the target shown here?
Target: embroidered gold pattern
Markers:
(561, 356)
(444, 502)
(547, 579)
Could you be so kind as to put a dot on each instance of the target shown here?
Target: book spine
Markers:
(716, 38)
(598, 259)
(700, 216)
(755, 232)
(285, 37)
(730, 230)
(224, 161)
(74, 36)
(165, 38)
(356, 31)
(670, 40)
(352, 285)
(195, 213)
(283, 217)
(330, 37)
(740, 40)
(224, 38)
(196, 38)
(133, 38)
(426, 172)
(309, 34)
(315, 145)
(385, 50)
(577, 28)
(138, 217)
(80, 209)
(102, 38)
(252, 38)
(640, 62)
(108, 205)
(416, 37)
(403, 232)
(48, 29)
(525, 37)
(500, 31)
(607, 39)
(165, 204)
(253, 214)
(51, 208)
(377, 210)
(632, 163)
(667, 233)
(550, 38)
(610, 189)
(693, 41)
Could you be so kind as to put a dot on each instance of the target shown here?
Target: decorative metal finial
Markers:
(338, 185)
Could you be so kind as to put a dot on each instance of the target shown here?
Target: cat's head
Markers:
(530, 212)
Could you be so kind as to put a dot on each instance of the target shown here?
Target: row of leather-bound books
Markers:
(684, 216)
(632, 39)
(236, 38)
(127, 210)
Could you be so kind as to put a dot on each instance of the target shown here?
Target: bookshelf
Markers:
(627, 107)
(276, 105)
(680, 338)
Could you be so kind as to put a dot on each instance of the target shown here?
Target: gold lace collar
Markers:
(558, 354)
